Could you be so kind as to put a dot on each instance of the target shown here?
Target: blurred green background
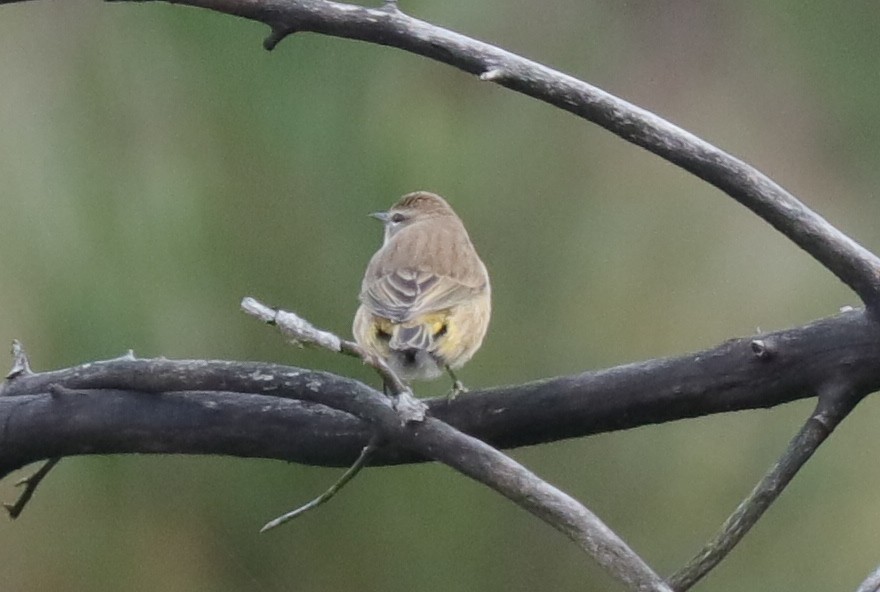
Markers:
(156, 165)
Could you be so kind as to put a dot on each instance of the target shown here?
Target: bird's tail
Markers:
(420, 333)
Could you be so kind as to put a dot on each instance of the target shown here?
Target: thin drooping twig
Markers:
(387, 25)
(347, 476)
(479, 461)
(30, 486)
(833, 406)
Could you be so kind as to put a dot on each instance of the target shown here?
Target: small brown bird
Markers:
(425, 298)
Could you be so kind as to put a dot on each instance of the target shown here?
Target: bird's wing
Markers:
(405, 294)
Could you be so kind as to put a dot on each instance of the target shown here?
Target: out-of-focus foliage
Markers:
(156, 165)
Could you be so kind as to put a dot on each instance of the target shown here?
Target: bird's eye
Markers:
(397, 217)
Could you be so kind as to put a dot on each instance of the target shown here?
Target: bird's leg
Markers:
(457, 386)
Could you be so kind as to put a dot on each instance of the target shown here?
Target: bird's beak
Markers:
(382, 216)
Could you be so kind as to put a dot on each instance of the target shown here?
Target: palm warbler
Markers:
(425, 298)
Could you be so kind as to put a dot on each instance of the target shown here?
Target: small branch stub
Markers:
(30, 486)
(20, 363)
(763, 349)
(492, 75)
(276, 36)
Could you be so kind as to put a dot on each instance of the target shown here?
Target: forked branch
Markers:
(834, 405)
(440, 441)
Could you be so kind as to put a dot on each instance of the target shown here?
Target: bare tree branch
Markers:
(300, 331)
(832, 408)
(352, 471)
(430, 438)
(245, 410)
(438, 440)
(850, 262)
(158, 410)
(30, 485)
(740, 374)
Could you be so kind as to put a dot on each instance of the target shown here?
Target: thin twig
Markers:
(302, 332)
(30, 486)
(833, 406)
(349, 474)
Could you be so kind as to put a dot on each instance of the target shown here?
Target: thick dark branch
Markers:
(242, 409)
(409, 430)
(855, 266)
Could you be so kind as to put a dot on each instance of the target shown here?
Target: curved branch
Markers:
(850, 262)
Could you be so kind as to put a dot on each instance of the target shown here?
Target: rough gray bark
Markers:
(218, 407)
